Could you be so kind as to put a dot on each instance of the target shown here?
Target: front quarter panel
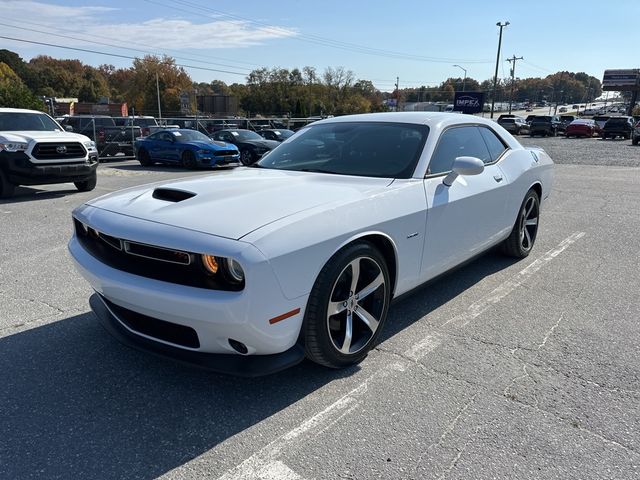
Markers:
(299, 246)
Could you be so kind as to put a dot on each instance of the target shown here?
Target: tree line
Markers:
(276, 91)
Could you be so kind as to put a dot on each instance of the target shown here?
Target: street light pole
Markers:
(495, 76)
(158, 93)
(464, 80)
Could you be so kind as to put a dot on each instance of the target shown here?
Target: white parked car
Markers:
(248, 270)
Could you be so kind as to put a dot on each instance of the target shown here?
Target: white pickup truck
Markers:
(36, 150)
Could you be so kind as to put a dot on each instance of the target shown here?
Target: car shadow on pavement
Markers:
(30, 194)
(77, 404)
(168, 168)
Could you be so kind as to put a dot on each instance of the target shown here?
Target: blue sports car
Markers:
(187, 147)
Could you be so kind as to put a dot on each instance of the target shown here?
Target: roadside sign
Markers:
(468, 102)
(621, 80)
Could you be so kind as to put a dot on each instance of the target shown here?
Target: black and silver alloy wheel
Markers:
(246, 157)
(523, 235)
(347, 306)
(529, 222)
(356, 305)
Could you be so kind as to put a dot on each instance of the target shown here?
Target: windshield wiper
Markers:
(317, 170)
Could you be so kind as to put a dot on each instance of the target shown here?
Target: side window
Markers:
(494, 144)
(457, 142)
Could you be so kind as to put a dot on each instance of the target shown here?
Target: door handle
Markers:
(497, 178)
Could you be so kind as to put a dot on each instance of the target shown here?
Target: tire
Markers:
(246, 157)
(87, 185)
(635, 140)
(144, 158)
(7, 189)
(523, 235)
(189, 160)
(326, 336)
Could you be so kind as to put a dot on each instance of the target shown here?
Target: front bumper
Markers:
(246, 366)
(20, 170)
(215, 160)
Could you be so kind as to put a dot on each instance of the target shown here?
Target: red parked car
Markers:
(581, 128)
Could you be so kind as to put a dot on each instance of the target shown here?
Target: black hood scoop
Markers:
(172, 195)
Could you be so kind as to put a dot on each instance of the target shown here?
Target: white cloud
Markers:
(96, 22)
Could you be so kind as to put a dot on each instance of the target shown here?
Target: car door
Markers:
(470, 215)
(158, 147)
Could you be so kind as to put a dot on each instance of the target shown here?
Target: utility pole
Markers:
(397, 93)
(158, 93)
(495, 76)
(513, 61)
(464, 80)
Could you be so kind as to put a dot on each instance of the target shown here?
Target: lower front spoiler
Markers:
(230, 364)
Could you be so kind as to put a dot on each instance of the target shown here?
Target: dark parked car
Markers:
(514, 125)
(145, 123)
(251, 145)
(187, 147)
(600, 121)
(565, 120)
(279, 135)
(581, 128)
(618, 127)
(544, 125)
(110, 139)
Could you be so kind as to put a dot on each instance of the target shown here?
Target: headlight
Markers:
(234, 270)
(229, 268)
(14, 146)
(90, 145)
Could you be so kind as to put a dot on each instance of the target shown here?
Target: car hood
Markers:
(233, 203)
(49, 136)
(269, 144)
(212, 145)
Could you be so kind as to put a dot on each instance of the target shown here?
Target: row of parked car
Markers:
(571, 126)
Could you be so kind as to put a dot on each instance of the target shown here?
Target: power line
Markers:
(110, 45)
(86, 50)
(21, 21)
(315, 39)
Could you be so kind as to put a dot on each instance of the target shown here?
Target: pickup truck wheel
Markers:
(635, 140)
(87, 185)
(144, 158)
(6, 189)
(189, 160)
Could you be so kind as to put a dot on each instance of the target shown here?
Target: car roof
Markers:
(424, 118)
(18, 110)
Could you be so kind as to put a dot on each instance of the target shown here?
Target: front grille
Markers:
(154, 327)
(57, 151)
(226, 153)
(158, 263)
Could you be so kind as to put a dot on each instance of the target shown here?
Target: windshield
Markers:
(23, 121)
(243, 135)
(368, 149)
(190, 136)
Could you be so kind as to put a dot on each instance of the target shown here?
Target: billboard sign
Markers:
(468, 102)
(621, 80)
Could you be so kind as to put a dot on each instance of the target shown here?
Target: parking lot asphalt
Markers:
(501, 369)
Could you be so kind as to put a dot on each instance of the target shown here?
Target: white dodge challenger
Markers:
(248, 271)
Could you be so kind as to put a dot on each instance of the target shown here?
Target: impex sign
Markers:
(468, 102)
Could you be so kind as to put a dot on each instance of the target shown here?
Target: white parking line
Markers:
(263, 465)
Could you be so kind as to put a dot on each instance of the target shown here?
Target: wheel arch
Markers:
(387, 247)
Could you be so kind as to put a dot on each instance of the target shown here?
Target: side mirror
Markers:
(464, 166)
(68, 128)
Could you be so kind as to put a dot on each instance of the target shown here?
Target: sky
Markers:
(418, 41)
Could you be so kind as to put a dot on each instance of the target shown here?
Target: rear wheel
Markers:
(634, 140)
(144, 158)
(524, 232)
(87, 185)
(347, 306)
(189, 160)
(7, 189)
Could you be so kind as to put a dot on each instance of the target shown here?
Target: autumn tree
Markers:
(14, 93)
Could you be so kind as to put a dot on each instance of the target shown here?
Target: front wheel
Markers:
(524, 232)
(635, 140)
(246, 157)
(144, 158)
(87, 185)
(347, 306)
(189, 160)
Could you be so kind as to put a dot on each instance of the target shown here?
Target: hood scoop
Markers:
(172, 195)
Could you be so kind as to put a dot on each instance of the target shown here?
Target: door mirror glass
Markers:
(68, 128)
